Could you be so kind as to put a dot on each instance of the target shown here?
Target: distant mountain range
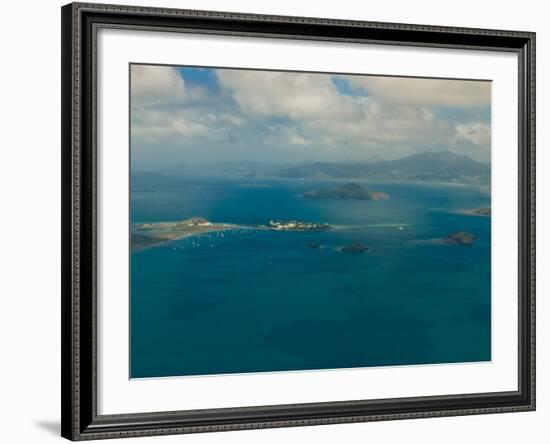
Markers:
(443, 166)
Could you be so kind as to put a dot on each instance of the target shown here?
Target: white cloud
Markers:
(425, 92)
(152, 125)
(155, 84)
(477, 133)
(305, 113)
(391, 126)
(292, 95)
(395, 110)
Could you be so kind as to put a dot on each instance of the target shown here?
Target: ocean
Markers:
(254, 300)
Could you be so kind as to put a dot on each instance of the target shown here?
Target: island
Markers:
(296, 225)
(460, 238)
(350, 190)
(355, 247)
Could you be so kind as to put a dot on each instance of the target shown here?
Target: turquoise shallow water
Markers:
(251, 300)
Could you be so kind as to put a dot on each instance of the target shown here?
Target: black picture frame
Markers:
(80, 22)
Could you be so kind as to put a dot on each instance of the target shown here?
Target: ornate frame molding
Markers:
(80, 22)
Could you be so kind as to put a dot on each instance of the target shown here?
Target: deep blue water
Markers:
(251, 300)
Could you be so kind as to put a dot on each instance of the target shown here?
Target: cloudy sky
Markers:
(199, 115)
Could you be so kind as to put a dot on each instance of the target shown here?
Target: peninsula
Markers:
(350, 190)
(150, 234)
(486, 211)
(147, 235)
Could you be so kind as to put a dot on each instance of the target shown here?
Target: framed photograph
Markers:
(283, 221)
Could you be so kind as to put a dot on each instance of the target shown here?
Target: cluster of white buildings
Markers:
(196, 221)
(296, 225)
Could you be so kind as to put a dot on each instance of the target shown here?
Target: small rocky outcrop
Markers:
(460, 238)
(355, 247)
(313, 245)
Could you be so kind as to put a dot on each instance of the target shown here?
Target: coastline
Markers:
(148, 235)
(162, 232)
(479, 212)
